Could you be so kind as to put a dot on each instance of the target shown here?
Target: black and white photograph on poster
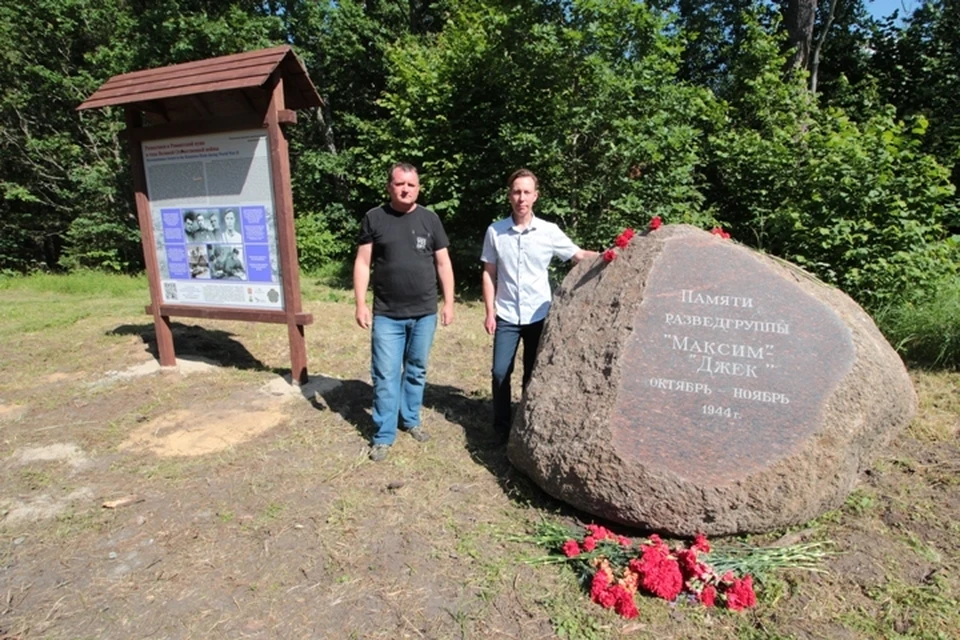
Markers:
(198, 261)
(191, 228)
(226, 262)
(202, 225)
(231, 226)
(211, 198)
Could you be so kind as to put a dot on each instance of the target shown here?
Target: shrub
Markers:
(317, 244)
(859, 205)
(926, 332)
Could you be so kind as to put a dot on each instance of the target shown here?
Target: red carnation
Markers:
(571, 549)
(700, 543)
(665, 582)
(740, 594)
(717, 231)
(708, 596)
(624, 604)
(622, 241)
(689, 567)
(599, 532)
(606, 599)
(655, 223)
(624, 541)
(628, 234)
(702, 571)
(659, 573)
(599, 584)
(589, 543)
(609, 255)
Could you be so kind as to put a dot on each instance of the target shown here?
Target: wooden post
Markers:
(161, 323)
(286, 235)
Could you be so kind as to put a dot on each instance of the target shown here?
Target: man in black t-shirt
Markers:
(407, 247)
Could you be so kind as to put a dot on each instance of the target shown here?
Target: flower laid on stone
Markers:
(717, 231)
(616, 569)
(655, 223)
(624, 238)
(621, 242)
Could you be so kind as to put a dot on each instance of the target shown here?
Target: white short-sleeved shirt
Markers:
(522, 257)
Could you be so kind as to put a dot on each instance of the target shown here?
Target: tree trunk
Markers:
(799, 17)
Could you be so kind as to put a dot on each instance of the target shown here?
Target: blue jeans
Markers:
(398, 367)
(506, 340)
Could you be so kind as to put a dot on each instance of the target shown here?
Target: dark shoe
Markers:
(378, 452)
(419, 434)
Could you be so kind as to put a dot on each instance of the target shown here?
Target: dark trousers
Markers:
(506, 341)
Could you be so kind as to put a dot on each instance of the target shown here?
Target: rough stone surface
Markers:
(695, 385)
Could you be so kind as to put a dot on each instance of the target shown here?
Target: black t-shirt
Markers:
(404, 270)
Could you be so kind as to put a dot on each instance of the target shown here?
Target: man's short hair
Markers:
(522, 173)
(190, 215)
(406, 167)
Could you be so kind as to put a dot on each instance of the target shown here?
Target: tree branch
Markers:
(815, 62)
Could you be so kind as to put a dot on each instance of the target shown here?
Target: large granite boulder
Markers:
(696, 385)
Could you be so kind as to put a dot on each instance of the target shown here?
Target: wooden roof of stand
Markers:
(211, 88)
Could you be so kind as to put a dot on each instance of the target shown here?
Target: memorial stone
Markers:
(694, 385)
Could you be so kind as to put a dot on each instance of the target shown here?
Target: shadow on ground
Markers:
(352, 400)
(213, 345)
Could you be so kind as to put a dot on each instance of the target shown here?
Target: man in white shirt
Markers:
(516, 287)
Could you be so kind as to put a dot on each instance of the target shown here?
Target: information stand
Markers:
(211, 175)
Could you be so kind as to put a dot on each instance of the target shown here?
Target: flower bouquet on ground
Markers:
(616, 568)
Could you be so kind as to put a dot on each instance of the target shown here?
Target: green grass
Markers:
(43, 301)
(338, 275)
(78, 283)
(926, 333)
(573, 622)
(910, 611)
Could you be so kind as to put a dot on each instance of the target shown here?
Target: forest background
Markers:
(809, 130)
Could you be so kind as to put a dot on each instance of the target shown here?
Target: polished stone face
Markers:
(728, 367)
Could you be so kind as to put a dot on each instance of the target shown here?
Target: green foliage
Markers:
(846, 77)
(51, 159)
(860, 205)
(97, 241)
(714, 31)
(63, 175)
(918, 71)
(344, 47)
(584, 93)
(317, 245)
(625, 110)
(172, 31)
(927, 331)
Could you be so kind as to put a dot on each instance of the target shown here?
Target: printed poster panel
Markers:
(211, 201)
